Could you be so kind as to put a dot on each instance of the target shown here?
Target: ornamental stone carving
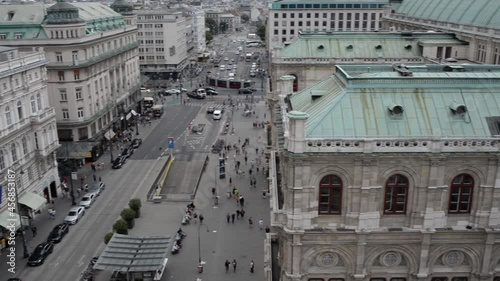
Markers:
(453, 258)
(327, 259)
(390, 259)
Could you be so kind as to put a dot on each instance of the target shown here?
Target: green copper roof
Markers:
(27, 19)
(364, 44)
(469, 12)
(356, 102)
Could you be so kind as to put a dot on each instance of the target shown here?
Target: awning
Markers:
(32, 200)
(109, 134)
(8, 219)
(77, 150)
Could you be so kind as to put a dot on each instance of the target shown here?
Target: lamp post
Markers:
(200, 265)
(137, 124)
(23, 236)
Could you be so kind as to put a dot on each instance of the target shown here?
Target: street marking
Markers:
(80, 262)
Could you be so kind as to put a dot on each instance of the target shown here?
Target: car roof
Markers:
(217, 111)
(76, 208)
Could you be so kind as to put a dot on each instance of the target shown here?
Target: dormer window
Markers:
(10, 15)
(408, 47)
(350, 47)
(378, 47)
(395, 109)
(321, 47)
(458, 108)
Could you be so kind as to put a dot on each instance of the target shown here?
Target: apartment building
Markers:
(93, 66)
(198, 18)
(28, 133)
(163, 51)
(287, 17)
(475, 22)
(387, 172)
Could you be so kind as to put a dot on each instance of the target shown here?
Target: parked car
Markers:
(252, 74)
(87, 200)
(41, 252)
(210, 89)
(136, 143)
(74, 215)
(210, 110)
(97, 188)
(118, 162)
(58, 232)
(127, 151)
(217, 115)
(212, 93)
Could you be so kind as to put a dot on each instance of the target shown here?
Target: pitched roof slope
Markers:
(477, 12)
(355, 103)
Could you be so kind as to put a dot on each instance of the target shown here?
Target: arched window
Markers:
(39, 101)
(8, 117)
(20, 110)
(330, 195)
(13, 151)
(461, 194)
(396, 195)
(33, 104)
(2, 160)
(25, 146)
(295, 83)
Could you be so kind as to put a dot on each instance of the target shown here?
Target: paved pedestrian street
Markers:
(223, 241)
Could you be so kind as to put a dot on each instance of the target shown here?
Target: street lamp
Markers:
(137, 124)
(200, 265)
(25, 245)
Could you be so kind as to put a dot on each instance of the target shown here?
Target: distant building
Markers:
(475, 22)
(287, 17)
(163, 53)
(312, 56)
(28, 134)
(387, 172)
(93, 68)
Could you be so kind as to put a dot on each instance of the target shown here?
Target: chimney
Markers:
(297, 131)
(285, 85)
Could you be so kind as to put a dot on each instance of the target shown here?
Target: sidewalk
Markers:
(222, 240)
(62, 204)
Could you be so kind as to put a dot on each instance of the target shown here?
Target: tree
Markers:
(261, 32)
(135, 204)
(245, 18)
(121, 227)
(211, 24)
(108, 237)
(208, 36)
(128, 215)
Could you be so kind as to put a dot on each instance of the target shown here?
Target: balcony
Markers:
(93, 60)
(85, 121)
(40, 118)
(47, 150)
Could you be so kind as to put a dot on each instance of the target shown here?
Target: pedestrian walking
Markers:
(201, 218)
(242, 213)
(226, 265)
(86, 188)
(250, 222)
(268, 229)
(230, 181)
(93, 167)
(261, 224)
(100, 180)
(242, 201)
(252, 266)
(213, 192)
(234, 265)
(246, 159)
(95, 177)
(257, 150)
(78, 192)
(238, 214)
(33, 230)
(233, 216)
(228, 217)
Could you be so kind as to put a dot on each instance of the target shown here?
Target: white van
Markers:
(230, 75)
(217, 115)
(201, 93)
(222, 67)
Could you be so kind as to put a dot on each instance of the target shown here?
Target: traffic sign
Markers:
(170, 142)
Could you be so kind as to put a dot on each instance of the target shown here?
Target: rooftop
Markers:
(345, 4)
(467, 12)
(364, 44)
(413, 101)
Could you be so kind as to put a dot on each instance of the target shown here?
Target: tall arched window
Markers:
(461, 194)
(20, 110)
(396, 195)
(13, 152)
(295, 83)
(33, 104)
(2, 160)
(330, 195)
(8, 116)
(25, 146)
(39, 101)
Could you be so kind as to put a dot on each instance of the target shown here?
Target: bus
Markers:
(248, 57)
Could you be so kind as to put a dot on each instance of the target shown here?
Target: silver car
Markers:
(74, 215)
(97, 188)
(87, 200)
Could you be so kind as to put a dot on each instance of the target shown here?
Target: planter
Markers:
(130, 224)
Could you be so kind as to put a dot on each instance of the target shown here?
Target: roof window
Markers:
(408, 47)
(378, 47)
(395, 109)
(10, 15)
(458, 108)
(350, 47)
(321, 47)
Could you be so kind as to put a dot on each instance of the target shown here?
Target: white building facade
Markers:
(286, 18)
(28, 132)
(163, 51)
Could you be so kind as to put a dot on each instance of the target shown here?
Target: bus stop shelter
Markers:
(137, 258)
